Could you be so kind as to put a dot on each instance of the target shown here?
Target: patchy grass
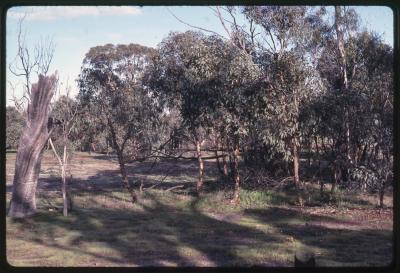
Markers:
(177, 228)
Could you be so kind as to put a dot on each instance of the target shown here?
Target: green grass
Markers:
(167, 229)
(177, 228)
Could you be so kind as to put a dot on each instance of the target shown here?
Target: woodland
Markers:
(209, 150)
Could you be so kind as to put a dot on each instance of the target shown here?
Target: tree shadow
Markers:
(156, 235)
(335, 240)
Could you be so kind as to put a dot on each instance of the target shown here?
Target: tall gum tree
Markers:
(205, 77)
(111, 88)
(182, 75)
(285, 33)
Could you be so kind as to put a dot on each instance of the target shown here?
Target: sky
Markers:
(74, 30)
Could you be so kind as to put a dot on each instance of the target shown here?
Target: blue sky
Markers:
(76, 29)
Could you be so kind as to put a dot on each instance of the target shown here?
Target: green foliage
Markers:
(15, 123)
(111, 91)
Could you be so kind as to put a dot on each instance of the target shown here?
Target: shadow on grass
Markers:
(328, 237)
(154, 236)
(157, 233)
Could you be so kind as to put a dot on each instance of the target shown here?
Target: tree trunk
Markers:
(225, 164)
(64, 183)
(218, 163)
(217, 158)
(124, 176)
(382, 194)
(383, 186)
(296, 166)
(121, 162)
(236, 176)
(31, 147)
(344, 84)
(199, 184)
(336, 178)
(364, 154)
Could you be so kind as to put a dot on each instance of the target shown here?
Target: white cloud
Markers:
(54, 13)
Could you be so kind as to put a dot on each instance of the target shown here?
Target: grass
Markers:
(177, 228)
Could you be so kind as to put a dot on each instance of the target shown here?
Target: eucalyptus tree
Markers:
(283, 54)
(205, 78)
(372, 137)
(237, 92)
(111, 88)
(342, 64)
(358, 107)
(182, 74)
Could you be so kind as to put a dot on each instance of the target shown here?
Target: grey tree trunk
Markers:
(30, 148)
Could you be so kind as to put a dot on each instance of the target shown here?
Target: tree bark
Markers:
(200, 181)
(31, 147)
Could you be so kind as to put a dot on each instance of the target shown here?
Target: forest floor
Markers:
(173, 227)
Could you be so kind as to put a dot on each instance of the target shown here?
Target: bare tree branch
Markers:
(192, 26)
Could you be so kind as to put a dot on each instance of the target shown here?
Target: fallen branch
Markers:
(175, 187)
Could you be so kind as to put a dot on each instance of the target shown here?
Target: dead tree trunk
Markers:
(30, 148)
(63, 166)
